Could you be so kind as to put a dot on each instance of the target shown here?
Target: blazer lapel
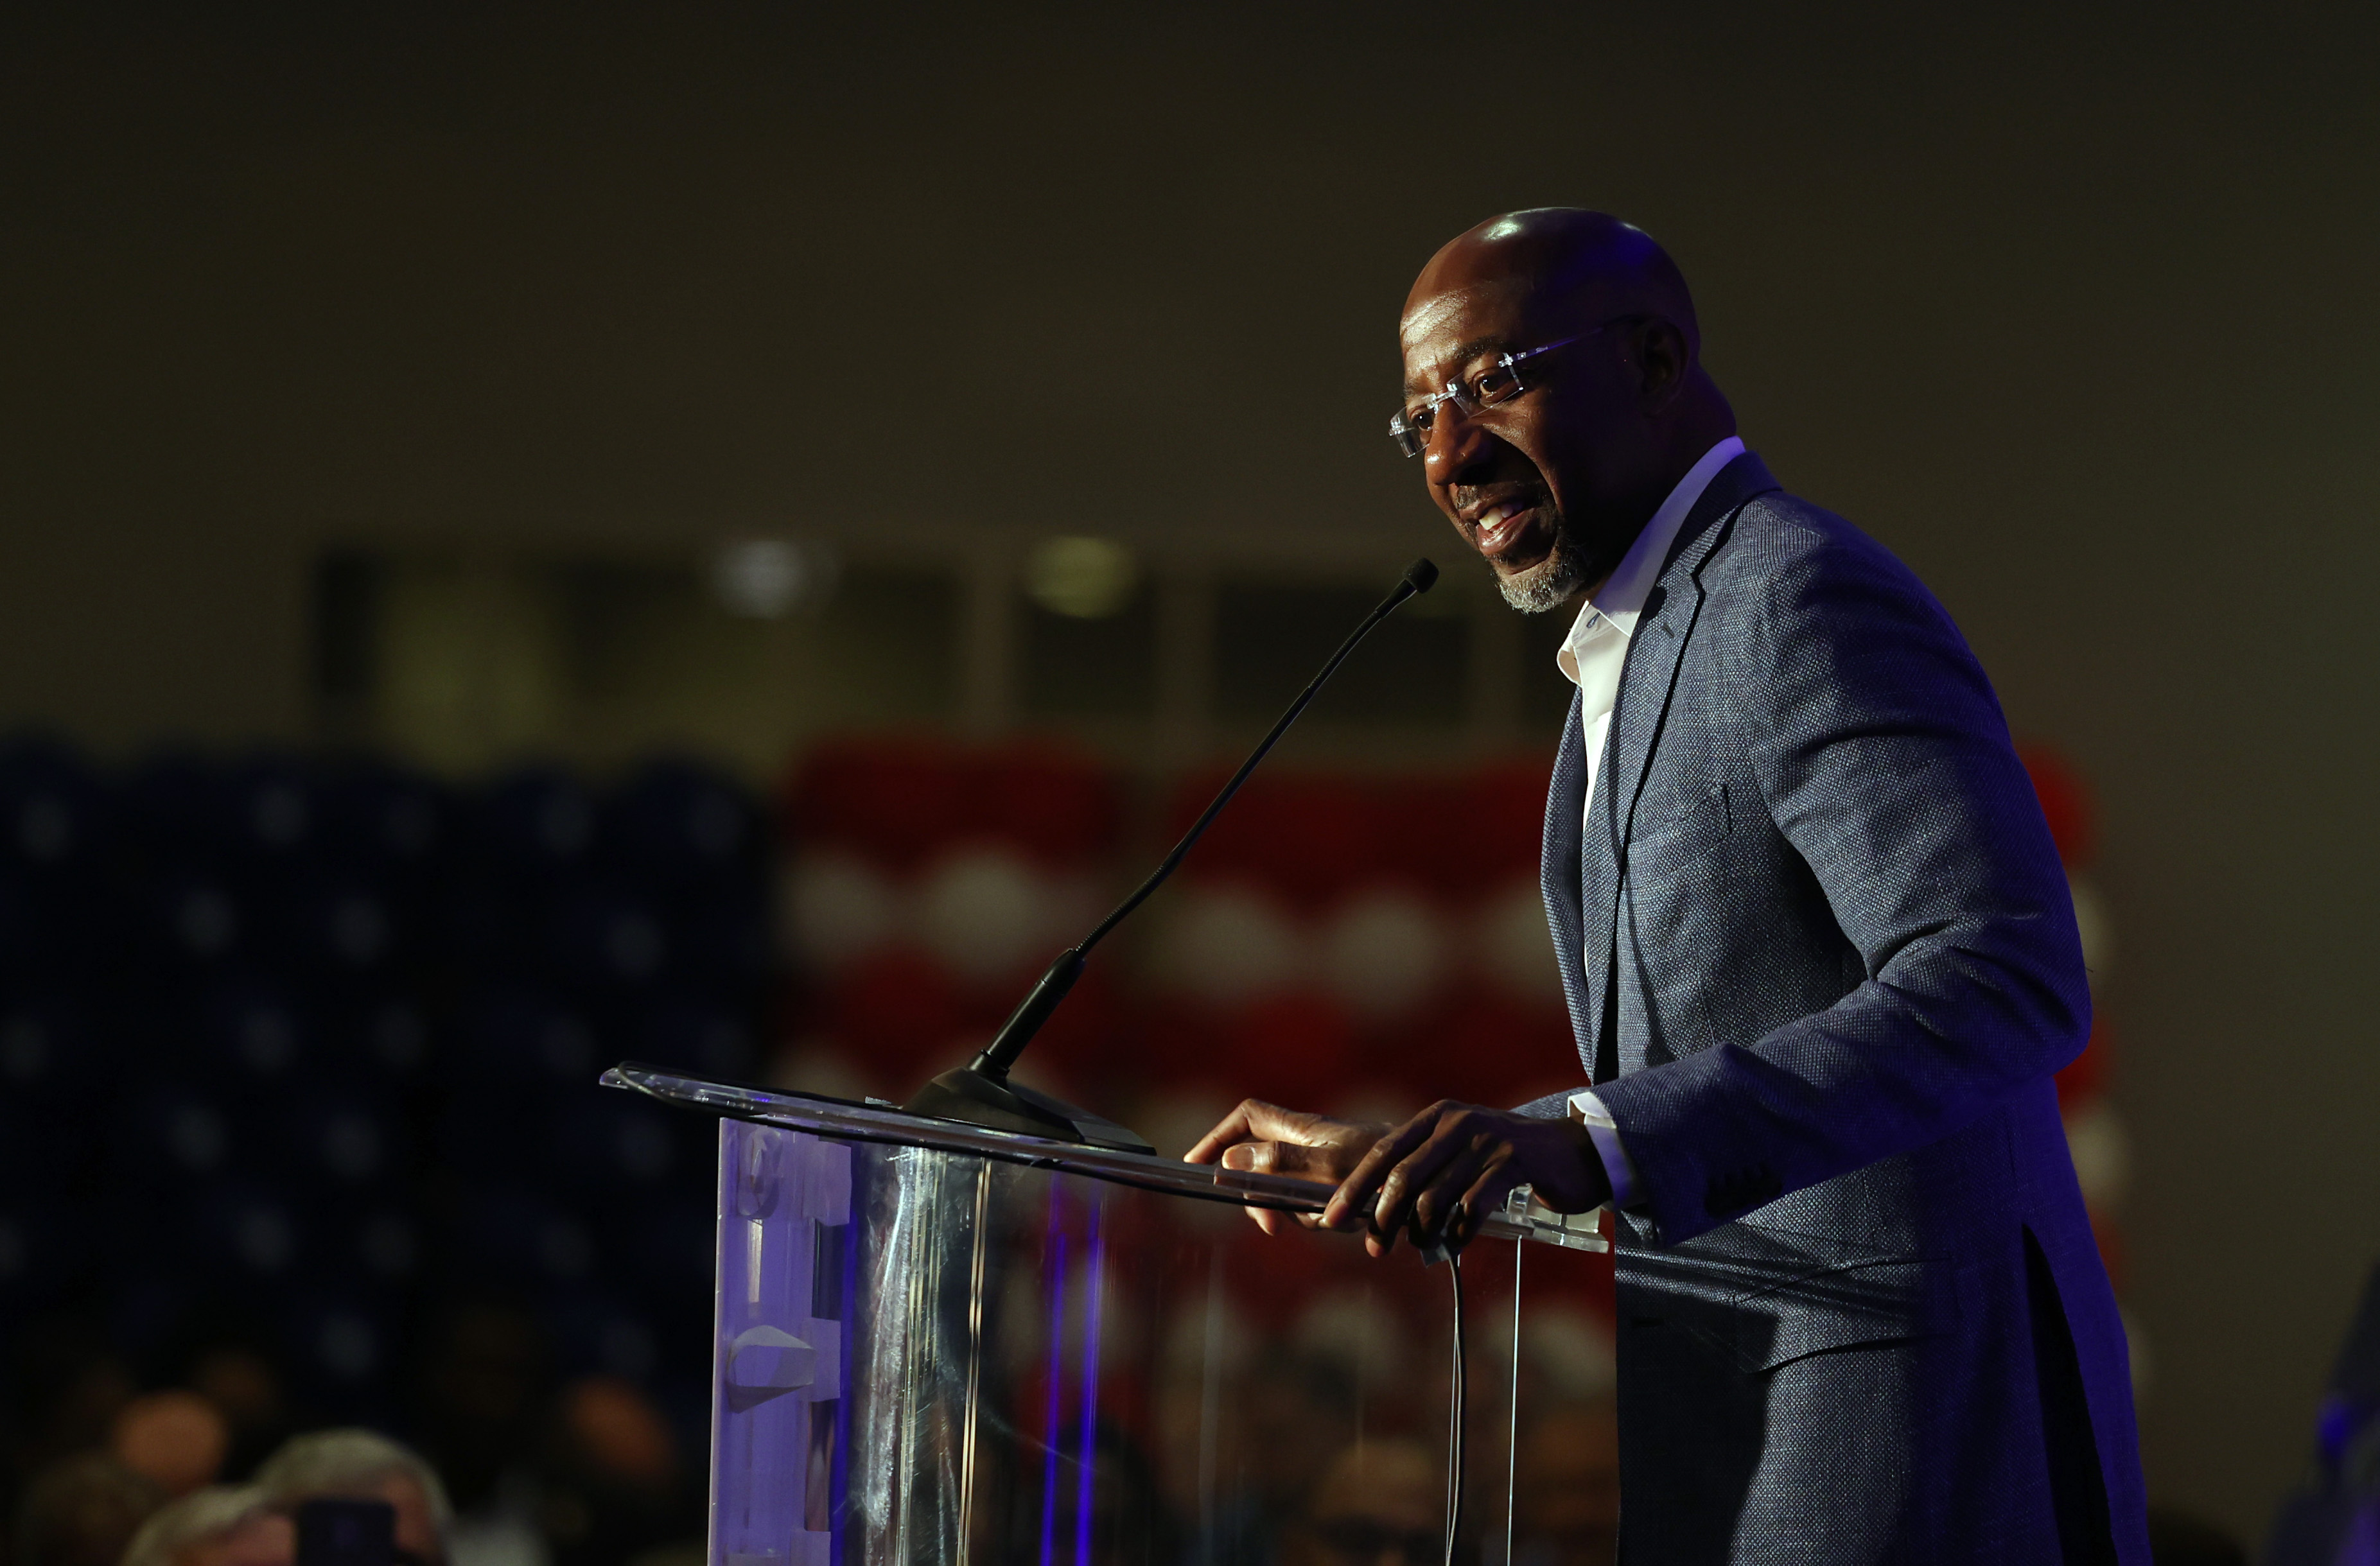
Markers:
(1558, 873)
(1647, 681)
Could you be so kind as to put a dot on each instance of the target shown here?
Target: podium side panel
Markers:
(777, 1350)
(922, 1355)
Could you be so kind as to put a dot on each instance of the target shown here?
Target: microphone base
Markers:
(970, 1097)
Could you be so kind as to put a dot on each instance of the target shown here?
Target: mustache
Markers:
(1466, 496)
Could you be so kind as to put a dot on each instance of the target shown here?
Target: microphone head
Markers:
(1421, 576)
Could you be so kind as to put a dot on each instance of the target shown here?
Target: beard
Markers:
(1550, 583)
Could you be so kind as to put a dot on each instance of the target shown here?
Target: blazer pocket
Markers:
(1706, 814)
(1843, 1307)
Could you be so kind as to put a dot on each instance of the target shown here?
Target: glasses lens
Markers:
(1410, 430)
(1493, 386)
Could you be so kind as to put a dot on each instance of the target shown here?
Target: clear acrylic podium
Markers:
(940, 1344)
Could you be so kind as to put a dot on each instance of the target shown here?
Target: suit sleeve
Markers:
(1882, 757)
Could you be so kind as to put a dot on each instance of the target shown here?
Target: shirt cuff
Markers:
(1618, 1167)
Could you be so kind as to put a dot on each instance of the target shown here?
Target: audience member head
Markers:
(610, 1489)
(240, 1381)
(222, 1525)
(1378, 1503)
(82, 1511)
(177, 1440)
(1566, 1486)
(615, 1432)
(357, 1465)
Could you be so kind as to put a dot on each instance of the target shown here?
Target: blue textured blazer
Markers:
(1821, 962)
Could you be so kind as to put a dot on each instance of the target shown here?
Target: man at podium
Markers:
(1820, 960)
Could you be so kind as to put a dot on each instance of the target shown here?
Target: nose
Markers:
(1456, 444)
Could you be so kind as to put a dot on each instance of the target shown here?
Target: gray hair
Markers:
(349, 1462)
(1549, 584)
(197, 1517)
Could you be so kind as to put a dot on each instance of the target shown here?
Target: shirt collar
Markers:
(1614, 607)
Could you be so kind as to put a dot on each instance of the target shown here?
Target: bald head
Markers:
(1552, 484)
(1564, 259)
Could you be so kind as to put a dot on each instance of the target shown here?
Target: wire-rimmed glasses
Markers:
(1499, 382)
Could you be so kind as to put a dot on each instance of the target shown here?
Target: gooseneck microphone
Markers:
(981, 1093)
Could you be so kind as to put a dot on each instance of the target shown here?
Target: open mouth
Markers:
(1508, 522)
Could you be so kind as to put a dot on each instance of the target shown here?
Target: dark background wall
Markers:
(2075, 315)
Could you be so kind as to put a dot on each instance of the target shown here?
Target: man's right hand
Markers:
(1262, 1138)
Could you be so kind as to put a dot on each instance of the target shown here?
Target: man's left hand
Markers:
(1446, 1169)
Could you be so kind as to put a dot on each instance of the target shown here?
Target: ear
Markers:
(1664, 362)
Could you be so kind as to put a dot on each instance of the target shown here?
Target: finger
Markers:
(1434, 1202)
(1356, 1192)
(1321, 1165)
(1273, 1220)
(1265, 1157)
(1415, 1172)
(1234, 1127)
(1256, 1121)
(1486, 1197)
(1393, 1213)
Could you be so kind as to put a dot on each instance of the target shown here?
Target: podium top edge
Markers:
(885, 1124)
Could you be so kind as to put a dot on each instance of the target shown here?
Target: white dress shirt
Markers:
(1591, 657)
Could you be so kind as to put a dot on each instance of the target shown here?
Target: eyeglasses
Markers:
(1499, 382)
